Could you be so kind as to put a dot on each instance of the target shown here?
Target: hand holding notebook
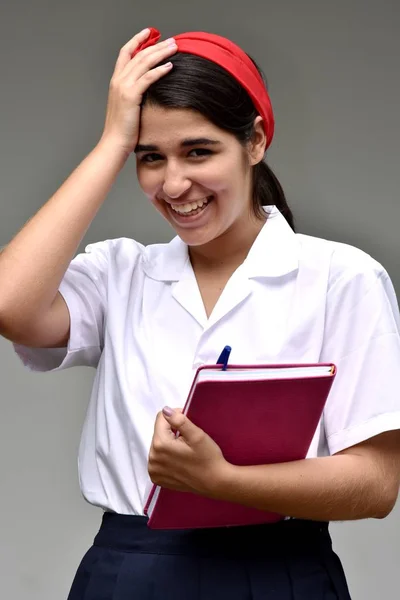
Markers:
(260, 414)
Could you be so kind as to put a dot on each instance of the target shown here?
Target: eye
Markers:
(195, 153)
(201, 152)
(149, 158)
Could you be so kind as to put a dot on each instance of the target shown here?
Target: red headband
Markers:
(233, 59)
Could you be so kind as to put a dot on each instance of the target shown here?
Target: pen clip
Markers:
(224, 357)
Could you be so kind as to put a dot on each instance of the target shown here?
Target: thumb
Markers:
(179, 422)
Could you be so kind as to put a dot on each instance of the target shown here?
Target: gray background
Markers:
(333, 70)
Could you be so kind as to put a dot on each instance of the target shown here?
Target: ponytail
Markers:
(267, 190)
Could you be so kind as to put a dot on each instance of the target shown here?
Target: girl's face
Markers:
(195, 174)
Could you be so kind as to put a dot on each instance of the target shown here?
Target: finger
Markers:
(162, 429)
(179, 422)
(148, 59)
(125, 53)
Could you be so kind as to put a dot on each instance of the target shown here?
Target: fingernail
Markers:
(171, 42)
(168, 412)
(147, 30)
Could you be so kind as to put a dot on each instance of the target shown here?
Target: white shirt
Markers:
(137, 317)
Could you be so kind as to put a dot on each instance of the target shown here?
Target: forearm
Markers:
(342, 487)
(33, 264)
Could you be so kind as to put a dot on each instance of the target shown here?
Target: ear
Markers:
(257, 144)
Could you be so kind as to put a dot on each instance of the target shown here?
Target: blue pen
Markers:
(224, 357)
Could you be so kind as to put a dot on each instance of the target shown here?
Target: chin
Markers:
(196, 230)
(194, 238)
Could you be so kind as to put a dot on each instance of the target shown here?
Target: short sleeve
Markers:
(362, 337)
(84, 289)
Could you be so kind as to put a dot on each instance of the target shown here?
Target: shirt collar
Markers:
(274, 253)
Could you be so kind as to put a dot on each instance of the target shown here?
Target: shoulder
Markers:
(124, 256)
(346, 264)
(115, 249)
(124, 251)
(360, 303)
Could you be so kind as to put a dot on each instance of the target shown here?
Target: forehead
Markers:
(165, 126)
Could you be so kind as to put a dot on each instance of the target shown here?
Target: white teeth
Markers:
(187, 208)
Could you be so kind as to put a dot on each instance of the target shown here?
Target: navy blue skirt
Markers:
(291, 560)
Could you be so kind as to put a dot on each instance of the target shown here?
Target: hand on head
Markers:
(134, 72)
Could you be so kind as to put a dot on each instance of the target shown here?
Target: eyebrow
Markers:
(184, 144)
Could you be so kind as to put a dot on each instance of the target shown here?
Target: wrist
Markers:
(112, 149)
(223, 481)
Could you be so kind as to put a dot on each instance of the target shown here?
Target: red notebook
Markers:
(257, 415)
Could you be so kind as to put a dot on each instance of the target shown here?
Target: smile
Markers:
(190, 208)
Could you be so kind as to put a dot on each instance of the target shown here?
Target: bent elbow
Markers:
(386, 503)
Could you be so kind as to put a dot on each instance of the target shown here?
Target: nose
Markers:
(176, 182)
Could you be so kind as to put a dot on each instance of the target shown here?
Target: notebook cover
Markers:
(253, 422)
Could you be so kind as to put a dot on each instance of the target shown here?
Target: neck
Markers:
(228, 251)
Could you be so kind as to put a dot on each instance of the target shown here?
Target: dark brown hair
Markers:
(199, 84)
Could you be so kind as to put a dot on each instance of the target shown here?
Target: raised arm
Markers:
(32, 312)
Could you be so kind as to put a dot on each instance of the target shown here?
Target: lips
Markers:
(193, 217)
(189, 207)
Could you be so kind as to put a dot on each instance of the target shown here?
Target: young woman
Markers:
(198, 116)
